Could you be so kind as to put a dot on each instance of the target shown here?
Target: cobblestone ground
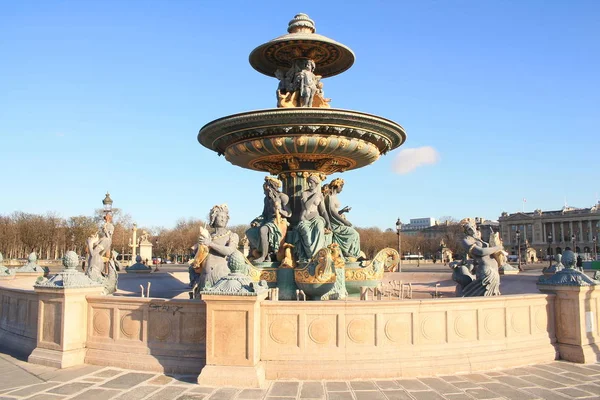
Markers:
(556, 380)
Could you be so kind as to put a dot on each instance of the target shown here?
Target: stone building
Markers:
(549, 232)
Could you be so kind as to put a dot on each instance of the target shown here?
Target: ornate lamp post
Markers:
(595, 254)
(573, 241)
(519, 248)
(398, 230)
(107, 203)
(550, 249)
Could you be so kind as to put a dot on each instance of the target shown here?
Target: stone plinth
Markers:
(233, 341)
(62, 326)
(576, 313)
(146, 251)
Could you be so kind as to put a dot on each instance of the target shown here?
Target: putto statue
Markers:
(346, 237)
(210, 263)
(314, 220)
(268, 230)
(4, 272)
(487, 278)
(100, 269)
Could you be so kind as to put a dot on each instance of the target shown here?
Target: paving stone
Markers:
(312, 390)
(93, 380)
(223, 394)
(337, 386)
(477, 378)
(387, 385)
(452, 378)
(557, 377)
(579, 377)
(397, 395)
(546, 394)
(68, 374)
(517, 372)
(45, 396)
(481, 394)
(514, 381)
(339, 396)
(363, 385)
(252, 394)
(595, 367)
(508, 392)
(595, 389)
(574, 392)
(549, 368)
(280, 398)
(493, 374)
(426, 395)
(28, 391)
(543, 382)
(107, 373)
(160, 380)
(466, 385)
(412, 384)
(138, 393)
(281, 389)
(565, 366)
(203, 389)
(440, 386)
(18, 378)
(170, 392)
(461, 396)
(70, 388)
(96, 394)
(185, 379)
(369, 395)
(193, 396)
(128, 380)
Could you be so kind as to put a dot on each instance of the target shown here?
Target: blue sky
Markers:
(110, 95)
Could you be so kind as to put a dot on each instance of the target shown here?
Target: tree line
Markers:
(50, 236)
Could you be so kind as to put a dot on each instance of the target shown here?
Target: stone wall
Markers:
(18, 320)
(338, 340)
(147, 334)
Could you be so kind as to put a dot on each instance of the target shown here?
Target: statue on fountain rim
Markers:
(267, 231)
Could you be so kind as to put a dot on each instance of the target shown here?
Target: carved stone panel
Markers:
(398, 329)
(193, 328)
(322, 330)
(566, 320)
(160, 326)
(130, 324)
(361, 329)
(51, 322)
(492, 323)
(518, 321)
(283, 329)
(229, 334)
(463, 326)
(432, 328)
(102, 322)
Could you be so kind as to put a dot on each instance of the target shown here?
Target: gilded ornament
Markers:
(277, 141)
(323, 141)
(241, 148)
(301, 141)
(257, 144)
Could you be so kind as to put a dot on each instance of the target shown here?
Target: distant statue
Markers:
(144, 238)
(210, 262)
(31, 265)
(487, 278)
(313, 221)
(3, 270)
(268, 230)
(343, 233)
(99, 268)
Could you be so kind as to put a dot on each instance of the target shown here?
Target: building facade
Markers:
(418, 224)
(550, 232)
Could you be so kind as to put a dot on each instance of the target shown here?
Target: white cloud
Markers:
(408, 160)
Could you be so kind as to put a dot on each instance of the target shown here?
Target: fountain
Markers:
(305, 138)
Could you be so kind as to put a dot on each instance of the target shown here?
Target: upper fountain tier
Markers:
(331, 58)
(303, 133)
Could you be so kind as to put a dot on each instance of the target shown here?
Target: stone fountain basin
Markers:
(275, 140)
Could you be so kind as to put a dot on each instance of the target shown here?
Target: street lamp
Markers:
(107, 203)
(573, 241)
(398, 230)
(594, 251)
(519, 248)
(550, 249)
